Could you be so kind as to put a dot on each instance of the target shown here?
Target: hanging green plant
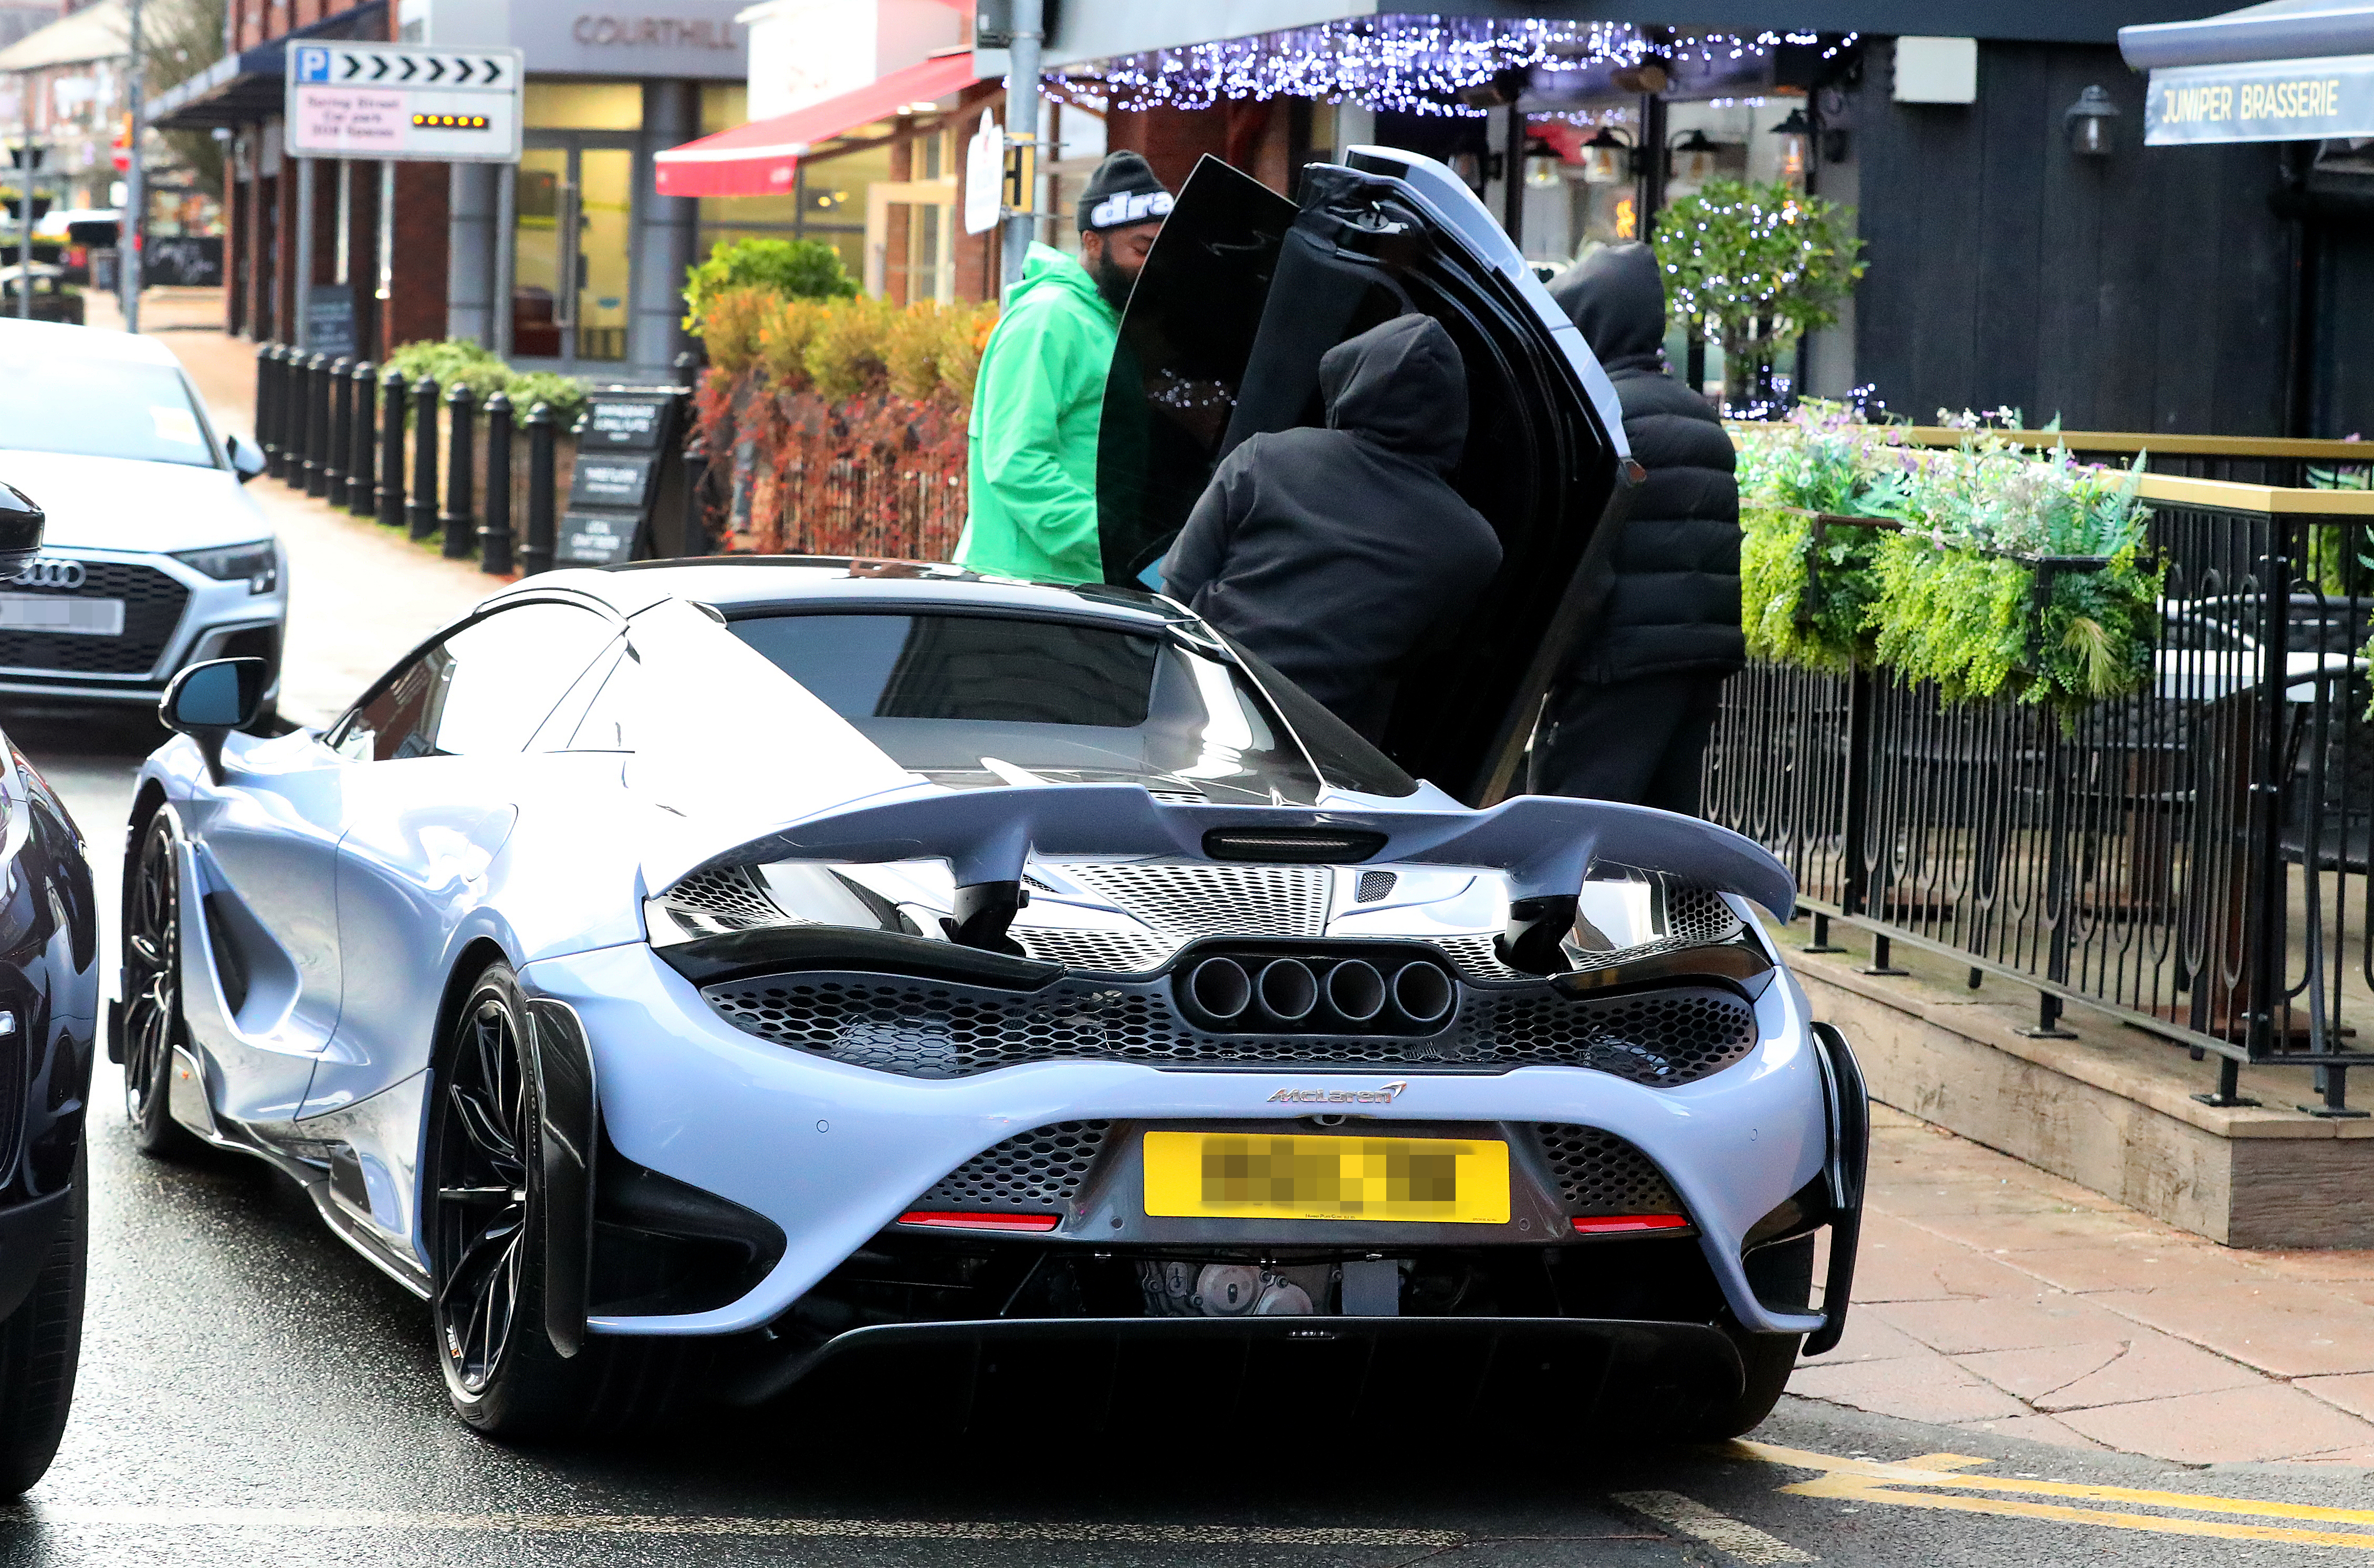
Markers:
(1805, 483)
(2020, 576)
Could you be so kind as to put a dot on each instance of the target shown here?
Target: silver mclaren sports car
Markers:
(794, 960)
(698, 979)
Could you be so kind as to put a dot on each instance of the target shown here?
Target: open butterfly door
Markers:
(1240, 297)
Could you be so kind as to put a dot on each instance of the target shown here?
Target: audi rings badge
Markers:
(50, 571)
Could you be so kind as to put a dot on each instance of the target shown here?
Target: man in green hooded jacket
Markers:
(1039, 404)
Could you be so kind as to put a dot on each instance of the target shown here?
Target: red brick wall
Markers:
(1251, 136)
(976, 255)
(415, 306)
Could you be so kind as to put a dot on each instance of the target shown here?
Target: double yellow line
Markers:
(1936, 1480)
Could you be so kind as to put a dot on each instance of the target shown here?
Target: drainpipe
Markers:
(1022, 110)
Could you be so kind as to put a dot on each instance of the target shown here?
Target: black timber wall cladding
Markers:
(2144, 291)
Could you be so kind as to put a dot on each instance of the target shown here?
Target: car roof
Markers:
(740, 584)
(85, 343)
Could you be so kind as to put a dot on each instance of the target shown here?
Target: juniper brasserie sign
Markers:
(2265, 100)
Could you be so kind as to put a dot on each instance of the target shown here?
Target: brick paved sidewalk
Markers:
(360, 596)
(1993, 1296)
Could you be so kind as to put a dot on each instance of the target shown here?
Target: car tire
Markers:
(484, 1210)
(152, 991)
(40, 1344)
(1768, 1360)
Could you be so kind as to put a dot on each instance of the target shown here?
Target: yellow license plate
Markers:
(1241, 1176)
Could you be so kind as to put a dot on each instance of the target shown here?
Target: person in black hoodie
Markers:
(1337, 553)
(1630, 718)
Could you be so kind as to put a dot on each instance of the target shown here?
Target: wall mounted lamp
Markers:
(2092, 125)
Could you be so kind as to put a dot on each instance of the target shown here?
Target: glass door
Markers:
(573, 250)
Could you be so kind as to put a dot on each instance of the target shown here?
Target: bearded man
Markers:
(1038, 405)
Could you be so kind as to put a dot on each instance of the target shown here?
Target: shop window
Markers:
(723, 105)
(584, 106)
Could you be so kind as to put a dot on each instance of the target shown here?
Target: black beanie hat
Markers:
(1121, 193)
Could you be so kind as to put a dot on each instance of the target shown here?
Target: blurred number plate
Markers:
(54, 613)
(1232, 1175)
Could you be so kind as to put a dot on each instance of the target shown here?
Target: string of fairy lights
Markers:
(1407, 64)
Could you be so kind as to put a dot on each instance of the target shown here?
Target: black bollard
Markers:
(390, 450)
(494, 535)
(362, 495)
(341, 432)
(267, 406)
(292, 420)
(422, 511)
(535, 555)
(317, 424)
(460, 517)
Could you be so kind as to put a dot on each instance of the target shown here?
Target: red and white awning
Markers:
(762, 158)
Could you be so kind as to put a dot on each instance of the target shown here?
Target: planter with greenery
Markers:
(1755, 268)
(1993, 571)
(1815, 493)
(838, 420)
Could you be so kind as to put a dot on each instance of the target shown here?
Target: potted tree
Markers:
(1755, 268)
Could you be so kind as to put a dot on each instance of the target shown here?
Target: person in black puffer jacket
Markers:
(1338, 554)
(1630, 718)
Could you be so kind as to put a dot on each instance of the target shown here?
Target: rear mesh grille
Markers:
(727, 900)
(1598, 1173)
(924, 1029)
(1661, 1038)
(1040, 1171)
(1106, 953)
(152, 608)
(1186, 902)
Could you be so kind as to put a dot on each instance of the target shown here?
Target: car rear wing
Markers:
(1545, 845)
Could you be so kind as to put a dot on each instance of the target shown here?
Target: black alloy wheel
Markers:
(152, 990)
(481, 1194)
(484, 1193)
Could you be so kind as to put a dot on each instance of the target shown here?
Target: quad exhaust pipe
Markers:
(1350, 992)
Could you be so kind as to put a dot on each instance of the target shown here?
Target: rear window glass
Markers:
(985, 700)
(969, 668)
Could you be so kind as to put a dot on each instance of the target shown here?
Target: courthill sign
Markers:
(402, 102)
(2265, 100)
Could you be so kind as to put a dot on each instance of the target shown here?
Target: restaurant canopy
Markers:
(762, 158)
(2286, 71)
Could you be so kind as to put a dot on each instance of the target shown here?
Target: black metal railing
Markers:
(479, 476)
(2191, 859)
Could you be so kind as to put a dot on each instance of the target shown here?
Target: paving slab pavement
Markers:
(1993, 1297)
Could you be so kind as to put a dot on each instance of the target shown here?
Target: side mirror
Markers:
(21, 525)
(247, 461)
(207, 701)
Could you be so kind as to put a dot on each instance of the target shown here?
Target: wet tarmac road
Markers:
(253, 1391)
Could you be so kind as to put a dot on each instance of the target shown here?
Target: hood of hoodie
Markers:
(1617, 300)
(1046, 270)
(1401, 385)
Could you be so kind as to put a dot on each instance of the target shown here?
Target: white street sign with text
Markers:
(404, 102)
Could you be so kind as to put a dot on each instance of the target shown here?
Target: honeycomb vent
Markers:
(1663, 1038)
(1040, 1170)
(1185, 902)
(1599, 1173)
(926, 1029)
(1103, 953)
(726, 900)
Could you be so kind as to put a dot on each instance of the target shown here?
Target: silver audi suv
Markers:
(155, 556)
